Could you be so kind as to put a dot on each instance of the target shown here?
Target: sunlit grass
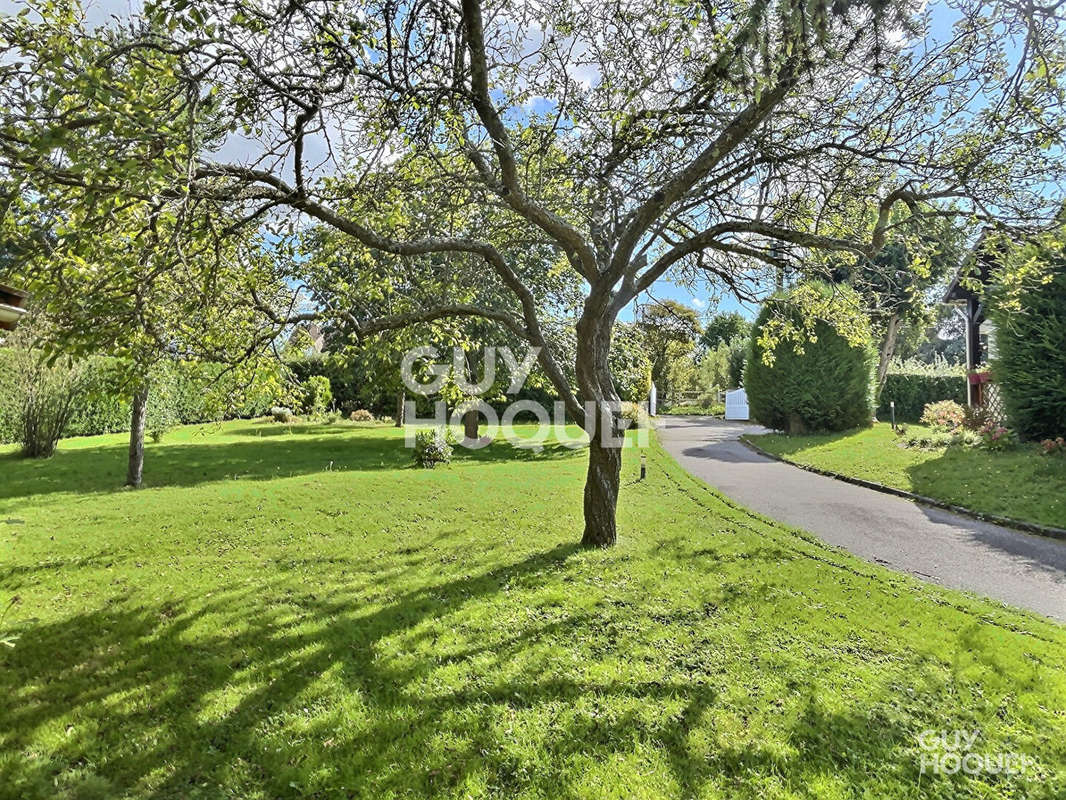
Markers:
(287, 614)
(1021, 483)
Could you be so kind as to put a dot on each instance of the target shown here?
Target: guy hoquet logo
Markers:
(423, 375)
(953, 753)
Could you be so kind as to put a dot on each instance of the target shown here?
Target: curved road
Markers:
(937, 546)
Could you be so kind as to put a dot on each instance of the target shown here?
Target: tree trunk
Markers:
(471, 420)
(596, 388)
(138, 419)
(888, 349)
(601, 494)
(401, 398)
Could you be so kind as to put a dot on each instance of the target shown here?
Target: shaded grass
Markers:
(380, 631)
(1021, 483)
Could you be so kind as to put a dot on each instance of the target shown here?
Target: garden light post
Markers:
(892, 405)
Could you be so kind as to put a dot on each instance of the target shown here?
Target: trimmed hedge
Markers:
(826, 387)
(913, 391)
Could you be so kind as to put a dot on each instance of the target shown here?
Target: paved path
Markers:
(937, 546)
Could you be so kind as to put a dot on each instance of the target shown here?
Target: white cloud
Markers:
(698, 303)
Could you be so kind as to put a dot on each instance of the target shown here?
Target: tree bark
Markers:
(401, 398)
(888, 349)
(138, 420)
(471, 422)
(605, 452)
(601, 494)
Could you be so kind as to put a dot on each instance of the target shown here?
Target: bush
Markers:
(318, 395)
(361, 415)
(433, 447)
(946, 415)
(803, 372)
(1053, 447)
(636, 414)
(1031, 364)
(42, 398)
(281, 414)
(997, 437)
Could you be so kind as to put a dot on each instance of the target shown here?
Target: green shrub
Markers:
(432, 447)
(317, 395)
(811, 361)
(40, 399)
(635, 413)
(946, 415)
(1030, 367)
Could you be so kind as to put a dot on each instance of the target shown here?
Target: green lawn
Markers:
(1022, 483)
(303, 615)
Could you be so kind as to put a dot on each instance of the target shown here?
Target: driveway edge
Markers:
(1006, 522)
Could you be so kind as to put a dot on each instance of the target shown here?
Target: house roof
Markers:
(977, 263)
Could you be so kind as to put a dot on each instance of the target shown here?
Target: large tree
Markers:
(669, 330)
(634, 139)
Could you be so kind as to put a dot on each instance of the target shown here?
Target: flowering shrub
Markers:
(1053, 447)
(432, 447)
(946, 415)
(996, 437)
(361, 415)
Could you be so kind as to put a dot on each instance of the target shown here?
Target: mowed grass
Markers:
(298, 613)
(1020, 483)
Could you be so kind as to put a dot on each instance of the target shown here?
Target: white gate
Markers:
(736, 404)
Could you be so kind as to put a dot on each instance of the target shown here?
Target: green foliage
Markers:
(432, 447)
(629, 364)
(1029, 310)
(180, 394)
(670, 331)
(913, 385)
(724, 328)
(317, 395)
(811, 362)
(944, 415)
(737, 359)
(39, 398)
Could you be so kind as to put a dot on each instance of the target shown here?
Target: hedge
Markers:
(105, 403)
(912, 391)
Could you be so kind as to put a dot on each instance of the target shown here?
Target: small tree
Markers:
(811, 361)
(670, 331)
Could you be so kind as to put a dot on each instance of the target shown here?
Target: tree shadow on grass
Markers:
(365, 683)
(103, 469)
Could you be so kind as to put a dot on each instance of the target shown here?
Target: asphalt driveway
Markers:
(934, 545)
